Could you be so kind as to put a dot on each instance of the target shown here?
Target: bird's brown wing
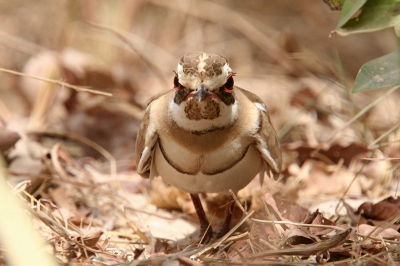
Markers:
(266, 139)
(146, 139)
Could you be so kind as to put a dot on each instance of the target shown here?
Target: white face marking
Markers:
(228, 115)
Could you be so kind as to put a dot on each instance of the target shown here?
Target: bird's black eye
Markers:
(177, 85)
(176, 82)
(229, 83)
(228, 86)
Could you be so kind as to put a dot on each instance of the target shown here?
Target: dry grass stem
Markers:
(300, 224)
(57, 82)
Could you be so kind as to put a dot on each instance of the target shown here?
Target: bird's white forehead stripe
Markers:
(202, 63)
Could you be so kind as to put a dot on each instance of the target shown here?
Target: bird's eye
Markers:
(176, 82)
(228, 87)
(229, 83)
(177, 85)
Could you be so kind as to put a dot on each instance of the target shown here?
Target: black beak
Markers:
(201, 92)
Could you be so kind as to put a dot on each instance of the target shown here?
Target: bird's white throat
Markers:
(227, 116)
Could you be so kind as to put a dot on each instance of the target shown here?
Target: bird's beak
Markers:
(201, 92)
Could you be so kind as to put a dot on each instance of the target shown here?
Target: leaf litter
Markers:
(72, 164)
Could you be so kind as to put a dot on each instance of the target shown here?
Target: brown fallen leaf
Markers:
(238, 250)
(297, 236)
(373, 248)
(334, 153)
(321, 220)
(380, 211)
(92, 238)
(291, 210)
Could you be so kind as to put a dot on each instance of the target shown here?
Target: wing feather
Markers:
(266, 139)
(146, 139)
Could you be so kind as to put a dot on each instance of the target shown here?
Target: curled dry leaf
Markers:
(381, 211)
(320, 220)
(297, 236)
(80, 247)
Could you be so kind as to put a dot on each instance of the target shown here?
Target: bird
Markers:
(206, 135)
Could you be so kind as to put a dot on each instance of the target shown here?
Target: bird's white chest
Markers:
(234, 177)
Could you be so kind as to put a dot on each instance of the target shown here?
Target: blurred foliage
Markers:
(383, 72)
(367, 16)
(348, 10)
(375, 15)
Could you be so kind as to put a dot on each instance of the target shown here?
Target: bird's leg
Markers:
(206, 232)
(228, 217)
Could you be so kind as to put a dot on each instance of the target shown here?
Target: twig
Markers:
(238, 237)
(379, 229)
(58, 82)
(300, 224)
(389, 131)
(225, 237)
(352, 181)
(235, 198)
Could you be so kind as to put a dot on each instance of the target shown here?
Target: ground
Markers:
(68, 139)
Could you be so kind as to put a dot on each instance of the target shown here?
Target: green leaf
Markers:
(350, 7)
(397, 30)
(375, 15)
(335, 4)
(383, 72)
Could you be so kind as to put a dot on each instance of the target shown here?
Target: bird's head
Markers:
(204, 77)
(204, 89)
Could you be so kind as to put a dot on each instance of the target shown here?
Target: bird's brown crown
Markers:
(202, 64)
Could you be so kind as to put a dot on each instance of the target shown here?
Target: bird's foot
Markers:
(222, 232)
(206, 235)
